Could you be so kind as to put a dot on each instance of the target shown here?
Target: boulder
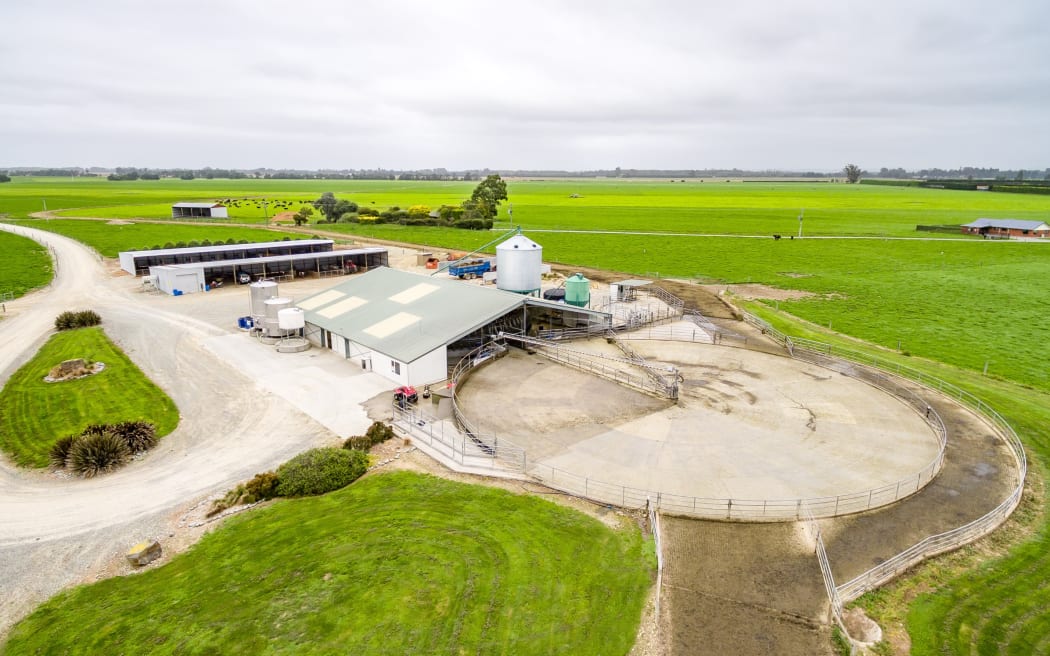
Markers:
(70, 368)
(144, 553)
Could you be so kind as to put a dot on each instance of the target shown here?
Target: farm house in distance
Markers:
(199, 211)
(1008, 229)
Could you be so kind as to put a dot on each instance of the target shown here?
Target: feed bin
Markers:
(578, 290)
(519, 265)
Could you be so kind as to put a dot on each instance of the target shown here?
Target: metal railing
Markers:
(470, 449)
(654, 527)
(940, 542)
(658, 380)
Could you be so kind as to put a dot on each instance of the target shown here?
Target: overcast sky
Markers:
(561, 85)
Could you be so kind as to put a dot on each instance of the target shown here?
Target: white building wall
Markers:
(220, 213)
(168, 279)
(430, 368)
(127, 262)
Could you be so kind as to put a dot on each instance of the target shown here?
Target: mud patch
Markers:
(755, 291)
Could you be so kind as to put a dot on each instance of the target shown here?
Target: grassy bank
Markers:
(25, 265)
(394, 564)
(33, 414)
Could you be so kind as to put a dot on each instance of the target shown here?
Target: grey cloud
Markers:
(545, 84)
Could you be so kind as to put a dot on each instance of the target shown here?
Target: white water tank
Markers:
(291, 319)
(519, 264)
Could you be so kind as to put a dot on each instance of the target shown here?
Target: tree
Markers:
(484, 201)
(303, 215)
(852, 172)
(343, 207)
(326, 203)
(4, 177)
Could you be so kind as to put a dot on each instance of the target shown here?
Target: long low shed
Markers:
(138, 262)
(410, 328)
(189, 278)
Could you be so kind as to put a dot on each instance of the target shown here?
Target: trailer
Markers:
(470, 269)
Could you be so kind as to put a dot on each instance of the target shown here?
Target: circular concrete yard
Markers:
(747, 426)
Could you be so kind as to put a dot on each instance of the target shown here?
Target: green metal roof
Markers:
(405, 315)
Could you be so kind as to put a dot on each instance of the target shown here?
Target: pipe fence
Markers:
(940, 542)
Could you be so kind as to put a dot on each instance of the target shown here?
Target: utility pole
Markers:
(800, 213)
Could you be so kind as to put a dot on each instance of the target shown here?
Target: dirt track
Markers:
(54, 530)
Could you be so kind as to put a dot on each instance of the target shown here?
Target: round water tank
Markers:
(260, 291)
(291, 319)
(275, 305)
(519, 263)
(578, 290)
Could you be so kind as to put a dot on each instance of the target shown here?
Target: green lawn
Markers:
(109, 239)
(33, 414)
(397, 563)
(25, 265)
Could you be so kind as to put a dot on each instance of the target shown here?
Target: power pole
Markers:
(800, 213)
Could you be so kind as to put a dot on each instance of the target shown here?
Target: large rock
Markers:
(70, 368)
(144, 553)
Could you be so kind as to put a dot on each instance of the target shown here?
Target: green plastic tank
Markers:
(578, 290)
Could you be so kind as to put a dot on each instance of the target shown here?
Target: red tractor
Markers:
(405, 395)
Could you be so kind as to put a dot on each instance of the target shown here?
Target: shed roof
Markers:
(1012, 224)
(633, 283)
(198, 205)
(405, 315)
(267, 259)
(215, 248)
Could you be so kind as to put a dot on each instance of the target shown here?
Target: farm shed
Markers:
(1008, 229)
(139, 262)
(199, 210)
(279, 267)
(411, 328)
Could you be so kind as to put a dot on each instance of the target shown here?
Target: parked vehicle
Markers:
(405, 395)
(470, 270)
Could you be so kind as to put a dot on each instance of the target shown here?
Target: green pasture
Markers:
(759, 208)
(398, 563)
(33, 414)
(25, 265)
(109, 239)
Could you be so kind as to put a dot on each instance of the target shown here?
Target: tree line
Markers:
(475, 213)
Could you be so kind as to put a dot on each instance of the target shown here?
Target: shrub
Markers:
(138, 435)
(263, 486)
(92, 455)
(168, 244)
(358, 442)
(379, 432)
(83, 318)
(369, 219)
(60, 450)
(320, 470)
(348, 217)
(367, 211)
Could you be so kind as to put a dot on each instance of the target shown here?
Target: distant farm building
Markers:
(1008, 229)
(199, 211)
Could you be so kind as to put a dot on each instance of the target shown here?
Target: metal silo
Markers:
(578, 290)
(260, 292)
(519, 263)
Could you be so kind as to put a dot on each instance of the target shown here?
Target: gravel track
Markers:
(56, 531)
